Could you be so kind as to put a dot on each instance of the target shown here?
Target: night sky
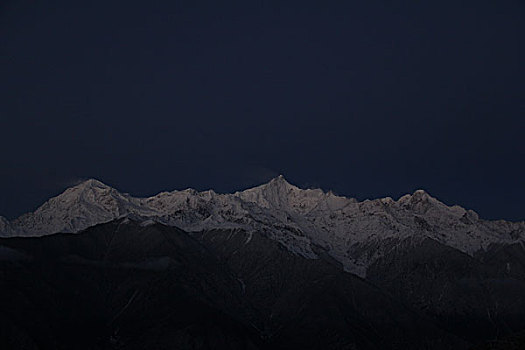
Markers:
(366, 98)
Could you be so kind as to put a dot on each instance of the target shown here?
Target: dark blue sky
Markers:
(367, 98)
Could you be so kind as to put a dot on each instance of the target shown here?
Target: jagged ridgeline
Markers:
(274, 266)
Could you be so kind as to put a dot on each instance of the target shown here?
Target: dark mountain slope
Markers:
(123, 285)
(314, 304)
(512, 342)
(120, 285)
(478, 298)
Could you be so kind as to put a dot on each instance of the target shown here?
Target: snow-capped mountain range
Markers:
(306, 221)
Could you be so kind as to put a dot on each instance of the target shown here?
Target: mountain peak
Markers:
(421, 195)
(88, 203)
(421, 202)
(417, 195)
(272, 194)
(279, 180)
(278, 185)
(90, 183)
(90, 190)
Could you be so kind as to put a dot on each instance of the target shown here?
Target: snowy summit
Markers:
(303, 220)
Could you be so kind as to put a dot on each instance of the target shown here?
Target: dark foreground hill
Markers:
(123, 285)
